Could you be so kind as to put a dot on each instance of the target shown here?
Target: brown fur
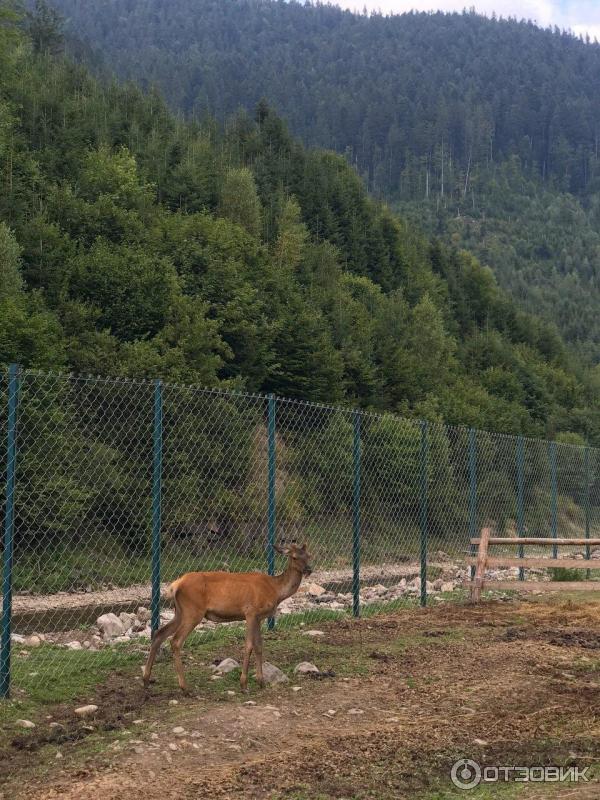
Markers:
(227, 597)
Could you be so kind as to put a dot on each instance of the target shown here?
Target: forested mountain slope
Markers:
(483, 129)
(134, 243)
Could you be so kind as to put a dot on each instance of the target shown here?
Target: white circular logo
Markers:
(466, 774)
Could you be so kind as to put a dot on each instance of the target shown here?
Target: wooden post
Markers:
(477, 584)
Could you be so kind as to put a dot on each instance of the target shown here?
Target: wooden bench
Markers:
(482, 562)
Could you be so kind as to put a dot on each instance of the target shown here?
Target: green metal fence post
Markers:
(553, 481)
(156, 503)
(472, 493)
(587, 504)
(423, 509)
(520, 498)
(271, 506)
(356, 498)
(9, 528)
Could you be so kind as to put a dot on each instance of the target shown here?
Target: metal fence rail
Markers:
(112, 488)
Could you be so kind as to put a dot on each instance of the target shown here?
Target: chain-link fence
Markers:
(112, 487)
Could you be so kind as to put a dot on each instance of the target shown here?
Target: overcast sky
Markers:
(580, 16)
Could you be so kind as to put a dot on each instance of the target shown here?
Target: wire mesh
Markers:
(387, 505)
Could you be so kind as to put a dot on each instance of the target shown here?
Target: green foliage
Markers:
(239, 200)
(11, 282)
(508, 169)
(133, 243)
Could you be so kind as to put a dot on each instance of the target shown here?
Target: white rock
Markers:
(447, 587)
(313, 633)
(314, 590)
(143, 614)
(305, 667)
(74, 645)
(17, 638)
(25, 723)
(86, 711)
(379, 588)
(273, 674)
(227, 665)
(250, 703)
(110, 625)
(128, 620)
(296, 688)
(355, 711)
(33, 641)
(179, 731)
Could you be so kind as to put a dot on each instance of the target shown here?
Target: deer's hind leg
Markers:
(159, 637)
(247, 653)
(186, 626)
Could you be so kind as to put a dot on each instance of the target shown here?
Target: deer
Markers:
(228, 597)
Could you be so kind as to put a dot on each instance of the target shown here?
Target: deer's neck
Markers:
(288, 582)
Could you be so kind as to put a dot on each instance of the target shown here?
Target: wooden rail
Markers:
(482, 562)
(537, 563)
(538, 540)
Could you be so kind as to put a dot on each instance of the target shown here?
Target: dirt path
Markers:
(24, 604)
(504, 683)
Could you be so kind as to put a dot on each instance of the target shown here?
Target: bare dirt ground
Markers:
(504, 683)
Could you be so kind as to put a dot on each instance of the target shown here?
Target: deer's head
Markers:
(298, 556)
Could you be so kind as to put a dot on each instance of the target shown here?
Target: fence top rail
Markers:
(233, 393)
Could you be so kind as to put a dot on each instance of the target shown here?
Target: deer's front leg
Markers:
(257, 647)
(247, 653)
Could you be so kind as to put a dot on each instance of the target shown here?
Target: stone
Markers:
(250, 703)
(86, 711)
(437, 584)
(379, 588)
(325, 598)
(173, 702)
(227, 665)
(314, 590)
(25, 723)
(273, 674)
(32, 641)
(17, 638)
(179, 731)
(143, 614)
(75, 645)
(296, 688)
(313, 633)
(110, 625)
(127, 620)
(448, 586)
(305, 667)
(355, 711)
